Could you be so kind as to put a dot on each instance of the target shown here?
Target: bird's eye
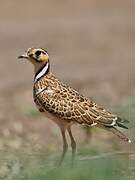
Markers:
(38, 53)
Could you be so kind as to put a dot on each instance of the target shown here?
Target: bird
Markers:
(66, 106)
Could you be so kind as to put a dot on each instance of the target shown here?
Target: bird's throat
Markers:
(41, 70)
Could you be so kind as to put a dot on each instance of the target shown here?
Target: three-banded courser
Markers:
(64, 105)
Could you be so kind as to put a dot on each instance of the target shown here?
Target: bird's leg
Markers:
(65, 145)
(73, 144)
(88, 134)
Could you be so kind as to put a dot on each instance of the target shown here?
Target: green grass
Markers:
(94, 165)
(97, 169)
(94, 169)
(92, 162)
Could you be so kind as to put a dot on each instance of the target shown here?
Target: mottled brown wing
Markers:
(64, 102)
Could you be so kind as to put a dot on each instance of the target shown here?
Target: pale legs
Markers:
(65, 144)
(73, 144)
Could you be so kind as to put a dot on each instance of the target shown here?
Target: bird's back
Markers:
(66, 103)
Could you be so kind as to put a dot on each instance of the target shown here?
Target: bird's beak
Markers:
(23, 56)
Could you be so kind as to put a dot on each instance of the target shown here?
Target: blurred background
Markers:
(91, 44)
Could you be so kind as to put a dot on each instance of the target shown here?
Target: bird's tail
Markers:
(120, 121)
(117, 132)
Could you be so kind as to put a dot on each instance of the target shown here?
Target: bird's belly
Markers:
(59, 121)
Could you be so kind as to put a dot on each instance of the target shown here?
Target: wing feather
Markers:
(68, 104)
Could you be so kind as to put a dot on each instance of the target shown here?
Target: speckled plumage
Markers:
(66, 103)
(66, 106)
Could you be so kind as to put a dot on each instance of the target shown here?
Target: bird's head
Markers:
(36, 56)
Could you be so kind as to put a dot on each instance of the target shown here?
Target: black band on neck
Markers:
(47, 70)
